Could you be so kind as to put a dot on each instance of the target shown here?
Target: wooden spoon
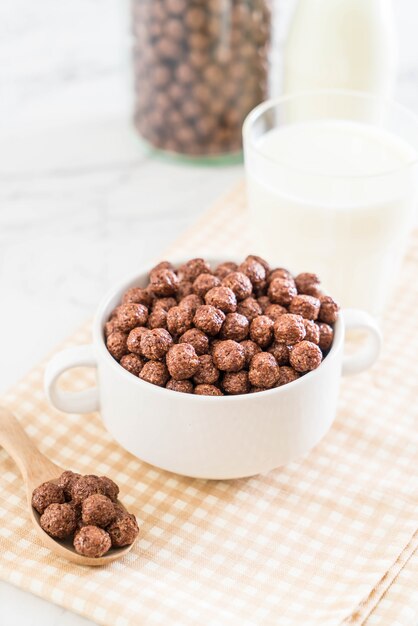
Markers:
(37, 469)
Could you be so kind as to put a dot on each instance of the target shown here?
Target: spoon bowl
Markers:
(37, 469)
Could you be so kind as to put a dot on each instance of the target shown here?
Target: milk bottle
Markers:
(345, 44)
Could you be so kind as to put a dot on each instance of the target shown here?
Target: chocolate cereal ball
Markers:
(264, 371)
(66, 482)
(164, 303)
(185, 288)
(261, 330)
(308, 284)
(280, 352)
(229, 356)
(138, 295)
(163, 282)
(254, 270)
(157, 318)
(110, 488)
(108, 329)
(207, 390)
(207, 373)
(156, 343)
(328, 311)
(236, 382)
(289, 329)
(116, 344)
(179, 319)
(312, 331)
(98, 510)
(326, 335)
(132, 363)
(59, 520)
(134, 340)
(204, 283)
(197, 339)
(274, 311)
(224, 269)
(192, 302)
(261, 261)
(192, 269)
(282, 291)
(182, 361)
(264, 302)
(86, 486)
(306, 306)
(305, 356)
(92, 541)
(155, 372)
(250, 308)
(235, 326)
(130, 315)
(222, 298)
(183, 386)
(239, 283)
(250, 349)
(279, 272)
(47, 494)
(209, 319)
(287, 375)
(124, 530)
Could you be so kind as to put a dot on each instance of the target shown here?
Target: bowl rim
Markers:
(135, 279)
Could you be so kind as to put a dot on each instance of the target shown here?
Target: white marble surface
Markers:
(80, 202)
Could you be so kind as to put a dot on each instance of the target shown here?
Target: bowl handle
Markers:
(368, 353)
(85, 401)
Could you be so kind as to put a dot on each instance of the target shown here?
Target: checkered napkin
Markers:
(330, 540)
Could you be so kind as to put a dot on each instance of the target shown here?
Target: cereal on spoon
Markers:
(86, 509)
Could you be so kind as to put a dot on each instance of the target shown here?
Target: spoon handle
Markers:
(21, 448)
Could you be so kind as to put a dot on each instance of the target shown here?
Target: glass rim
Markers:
(271, 103)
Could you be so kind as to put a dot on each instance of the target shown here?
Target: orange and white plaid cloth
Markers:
(330, 540)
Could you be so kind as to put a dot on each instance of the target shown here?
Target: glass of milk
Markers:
(331, 182)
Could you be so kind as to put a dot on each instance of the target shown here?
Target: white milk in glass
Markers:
(335, 198)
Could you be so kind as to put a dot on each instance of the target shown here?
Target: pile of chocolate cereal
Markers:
(232, 330)
(85, 508)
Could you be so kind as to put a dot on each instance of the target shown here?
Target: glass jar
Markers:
(200, 67)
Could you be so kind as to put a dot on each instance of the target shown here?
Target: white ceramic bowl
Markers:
(203, 436)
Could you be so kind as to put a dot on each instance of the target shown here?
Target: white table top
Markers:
(80, 203)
